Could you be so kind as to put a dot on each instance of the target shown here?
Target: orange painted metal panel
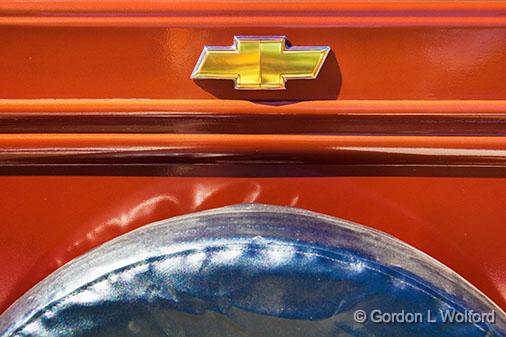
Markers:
(82, 82)
(126, 49)
(379, 63)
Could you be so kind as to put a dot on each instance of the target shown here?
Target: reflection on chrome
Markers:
(249, 270)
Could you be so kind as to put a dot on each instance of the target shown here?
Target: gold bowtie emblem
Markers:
(260, 63)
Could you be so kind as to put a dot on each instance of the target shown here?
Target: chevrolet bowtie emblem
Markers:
(260, 63)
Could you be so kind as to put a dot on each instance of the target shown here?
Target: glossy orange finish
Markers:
(365, 63)
(77, 107)
(382, 150)
(341, 117)
(262, 13)
(111, 70)
(379, 49)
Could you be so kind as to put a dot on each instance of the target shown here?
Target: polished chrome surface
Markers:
(247, 270)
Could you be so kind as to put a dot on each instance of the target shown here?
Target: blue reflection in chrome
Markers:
(248, 287)
(250, 270)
